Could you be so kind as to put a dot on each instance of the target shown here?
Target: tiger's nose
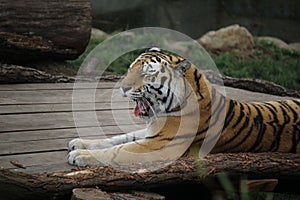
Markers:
(125, 91)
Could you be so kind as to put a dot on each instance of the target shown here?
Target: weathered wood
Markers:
(263, 185)
(34, 160)
(89, 194)
(50, 108)
(47, 29)
(11, 73)
(19, 74)
(50, 134)
(43, 121)
(60, 86)
(251, 84)
(60, 96)
(97, 194)
(184, 170)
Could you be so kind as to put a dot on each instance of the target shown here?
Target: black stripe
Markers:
(240, 116)
(258, 122)
(295, 115)
(203, 130)
(218, 111)
(169, 90)
(197, 81)
(296, 102)
(230, 113)
(215, 110)
(273, 124)
(170, 102)
(237, 134)
(295, 139)
(245, 138)
(286, 118)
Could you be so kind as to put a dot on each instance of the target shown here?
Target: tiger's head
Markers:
(156, 82)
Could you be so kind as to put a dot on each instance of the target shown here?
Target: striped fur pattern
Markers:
(162, 85)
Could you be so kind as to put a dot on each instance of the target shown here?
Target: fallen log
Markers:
(53, 29)
(185, 170)
(18, 74)
(251, 84)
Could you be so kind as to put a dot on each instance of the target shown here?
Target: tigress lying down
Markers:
(169, 89)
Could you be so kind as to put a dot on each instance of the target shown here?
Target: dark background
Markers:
(278, 18)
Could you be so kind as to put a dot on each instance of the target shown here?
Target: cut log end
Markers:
(53, 30)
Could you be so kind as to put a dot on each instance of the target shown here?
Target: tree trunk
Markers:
(185, 170)
(34, 29)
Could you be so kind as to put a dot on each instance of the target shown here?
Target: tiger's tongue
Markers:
(139, 108)
(136, 111)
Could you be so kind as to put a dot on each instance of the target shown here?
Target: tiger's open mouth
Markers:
(142, 108)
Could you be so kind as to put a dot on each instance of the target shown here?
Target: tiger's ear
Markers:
(153, 49)
(183, 66)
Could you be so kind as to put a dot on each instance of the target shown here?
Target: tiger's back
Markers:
(261, 126)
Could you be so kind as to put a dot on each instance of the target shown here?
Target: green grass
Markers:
(267, 62)
(92, 44)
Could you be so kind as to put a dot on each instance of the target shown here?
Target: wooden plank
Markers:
(35, 146)
(60, 96)
(43, 121)
(66, 107)
(58, 86)
(38, 162)
(87, 132)
(12, 148)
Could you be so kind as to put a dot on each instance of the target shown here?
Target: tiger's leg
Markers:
(128, 153)
(106, 143)
(102, 157)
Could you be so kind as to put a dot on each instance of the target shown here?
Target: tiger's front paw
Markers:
(89, 144)
(83, 158)
(77, 144)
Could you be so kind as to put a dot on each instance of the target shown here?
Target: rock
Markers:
(295, 46)
(233, 37)
(97, 34)
(280, 43)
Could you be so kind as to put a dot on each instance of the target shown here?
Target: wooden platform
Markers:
(36, 121)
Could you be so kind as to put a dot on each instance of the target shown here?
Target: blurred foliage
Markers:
(267, 62)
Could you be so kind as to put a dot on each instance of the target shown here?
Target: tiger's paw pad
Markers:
(82, 158)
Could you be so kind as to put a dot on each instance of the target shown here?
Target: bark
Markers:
(34, 29)
(251, 84)
(185, 170)
(19, 74)
(10, 73)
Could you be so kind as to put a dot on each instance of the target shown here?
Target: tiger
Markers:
(167, 89)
